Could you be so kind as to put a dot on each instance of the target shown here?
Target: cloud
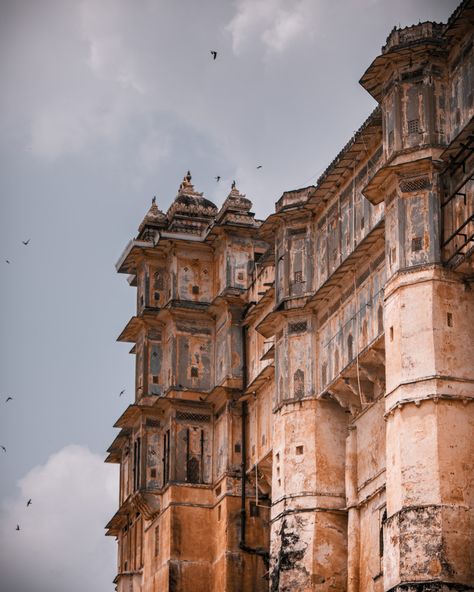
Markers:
(61, 545)
(276, 24)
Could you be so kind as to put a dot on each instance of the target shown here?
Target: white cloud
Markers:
(61, 545)
(276, 24)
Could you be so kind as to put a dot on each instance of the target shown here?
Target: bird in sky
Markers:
(214, 54)
(17, 527)
(259, 166)
(8, 399)
(28, 503)
(26, 242)
(6, 260)
(217, 178)
(3, 448)
(121, 392)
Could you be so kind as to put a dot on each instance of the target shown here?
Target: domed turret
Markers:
(154, 219)
(236, 209)
(190, 211)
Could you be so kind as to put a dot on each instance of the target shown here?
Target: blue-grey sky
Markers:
(104, 104)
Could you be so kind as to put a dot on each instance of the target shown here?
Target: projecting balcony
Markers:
(457, 207)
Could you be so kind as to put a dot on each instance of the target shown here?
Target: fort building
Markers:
(304, 409)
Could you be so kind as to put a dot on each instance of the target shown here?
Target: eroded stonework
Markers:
(304, 416)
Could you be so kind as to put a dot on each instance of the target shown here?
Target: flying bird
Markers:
(217, 178)
(121, 392)
(17, 527)
(28, 503)
(7, 261)
(214, 54)
(259, 166)
(8, 399)
(3, 448)
(26, 242)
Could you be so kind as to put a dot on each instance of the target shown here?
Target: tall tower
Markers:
(180, 443)
(420, 82)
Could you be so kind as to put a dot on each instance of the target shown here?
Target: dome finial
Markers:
(233, 185)
(153, 201)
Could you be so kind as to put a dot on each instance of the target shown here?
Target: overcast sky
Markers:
(104, 104)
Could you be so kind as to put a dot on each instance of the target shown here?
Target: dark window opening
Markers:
(136, 463)
(299, 450)
(155, 379)
(157, 541)
(195, 290)
(193, 470)
(416, 243)
(237, 448)
(153, 473)
(350, 344)
(166, 457)
(382, 524)
(449, 319)
(156, 295)
(298, 384)
(194, 372)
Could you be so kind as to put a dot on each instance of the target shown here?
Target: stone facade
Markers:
(304, 413)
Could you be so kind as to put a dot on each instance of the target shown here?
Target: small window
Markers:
(218, 491)
(449, 319)
(391, 333)
(240, 276)
(156, 295)
(414, 126)
(153, 473)
(194, 372)
(298, 277)
(416, 243)
(195, 289)
(237, 448)
(155, 379)
(299, 450)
